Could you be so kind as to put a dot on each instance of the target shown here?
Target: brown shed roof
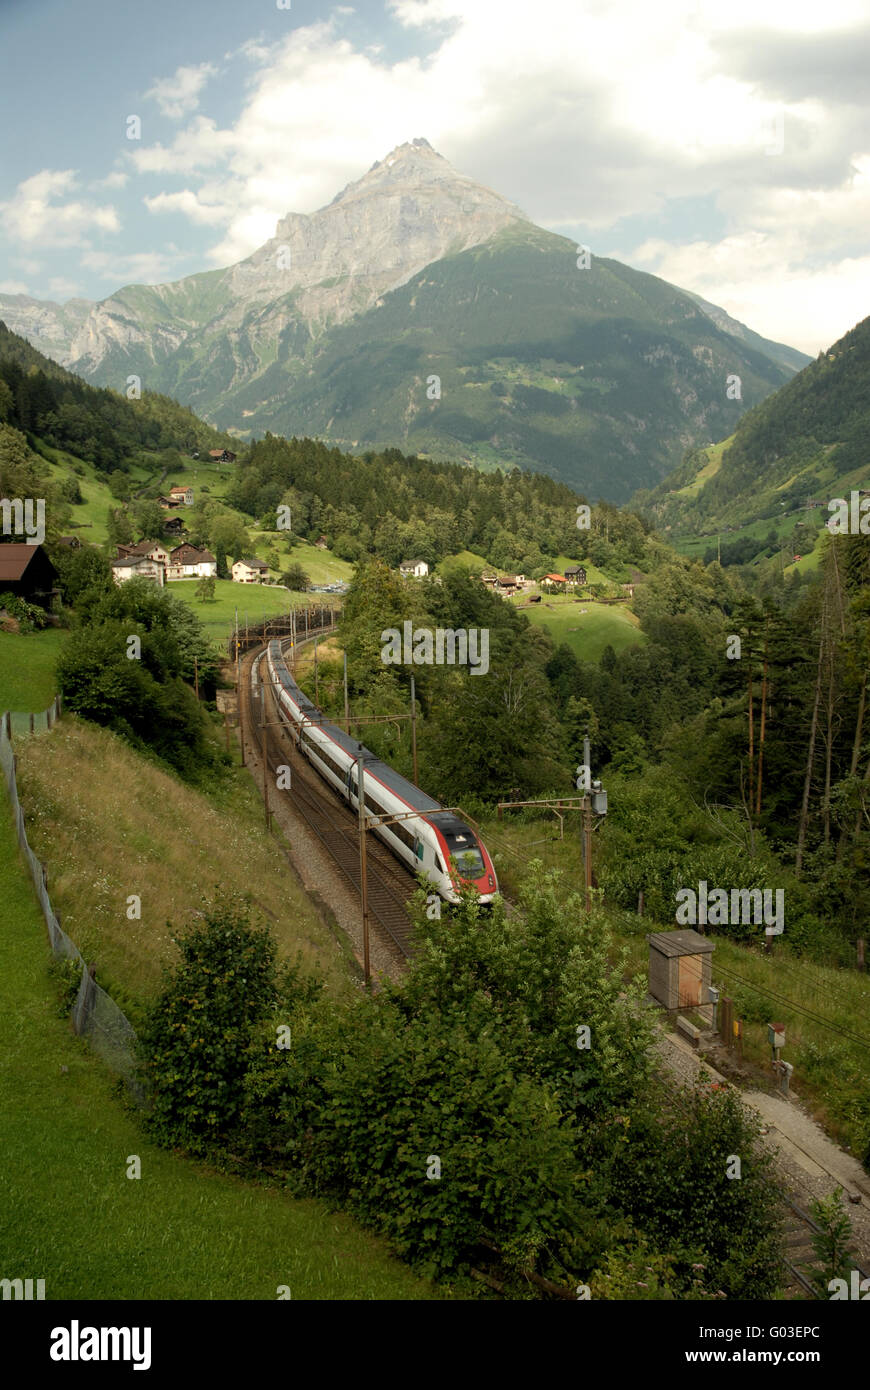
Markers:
(681, 943)
(14, 559)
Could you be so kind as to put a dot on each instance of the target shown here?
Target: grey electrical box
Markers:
(599, 803)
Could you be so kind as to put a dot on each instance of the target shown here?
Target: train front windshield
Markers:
(466, 855)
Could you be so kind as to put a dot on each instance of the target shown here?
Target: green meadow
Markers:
(70, 1215)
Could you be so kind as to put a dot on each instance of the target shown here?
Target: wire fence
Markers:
(95, 1015)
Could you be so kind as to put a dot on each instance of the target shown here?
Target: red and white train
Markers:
(434, 841)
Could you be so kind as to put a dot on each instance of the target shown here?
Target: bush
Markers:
(195, 1042)
(29, 616)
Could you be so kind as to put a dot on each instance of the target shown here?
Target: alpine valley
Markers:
(422, 310)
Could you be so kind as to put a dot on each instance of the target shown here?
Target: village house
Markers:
(574, 575)
(413, 569)
(188, 562)
(488, 577)
(249, 571)
(174, 526)
(167, 503)
(182, 494)
(550, 581)
(25, 570)
(145, 550)
(138, 567)
(222, 455)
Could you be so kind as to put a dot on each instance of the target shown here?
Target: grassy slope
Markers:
(27, 668)
(586, 633)
(69, 1214)
(109, 824)
(253, 601)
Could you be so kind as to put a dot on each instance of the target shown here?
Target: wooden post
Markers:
(860, 953)
(306, 619)
(361, 798)
(346, 710)
(640, 903)
(726, 1021)
(738, 1034)
(414, 731)
(31, 721)
(227, 728)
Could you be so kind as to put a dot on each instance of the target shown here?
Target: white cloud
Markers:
(139, 267)
(188, 203)
(178, 95)
(13, 287)
(33, 215)
(117, 179)
(63, 288)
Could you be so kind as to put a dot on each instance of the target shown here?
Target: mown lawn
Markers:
(68, 1212)
(27, 663)
(587, 632)
(253, 601)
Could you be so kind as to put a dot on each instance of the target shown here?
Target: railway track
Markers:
(329, 818)
(798, 1250)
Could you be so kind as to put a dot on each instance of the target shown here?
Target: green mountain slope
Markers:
(804, 445)
(599, 377)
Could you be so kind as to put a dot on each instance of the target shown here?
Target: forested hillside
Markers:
(805, 443)
(96, 424)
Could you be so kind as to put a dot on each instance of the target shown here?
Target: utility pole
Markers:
(264, 752)
(316, 695)
(363, 878)
(414, 731)
(587, 827)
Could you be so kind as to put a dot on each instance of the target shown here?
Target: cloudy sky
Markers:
(721, 144)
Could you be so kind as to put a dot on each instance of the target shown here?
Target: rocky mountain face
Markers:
(335, 326)
(410, 209)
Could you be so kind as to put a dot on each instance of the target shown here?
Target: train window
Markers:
(439, 864)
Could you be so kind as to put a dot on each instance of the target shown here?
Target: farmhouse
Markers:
(138, 567)
(174, 526)
(182, 494)
(551, 580)
(222, 455)
(25, 570)
(70, 542)
(575, 574)
(188, 562)
(167, 503)
(249, 571)
(416, 569)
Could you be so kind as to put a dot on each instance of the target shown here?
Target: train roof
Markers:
(449, 823)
